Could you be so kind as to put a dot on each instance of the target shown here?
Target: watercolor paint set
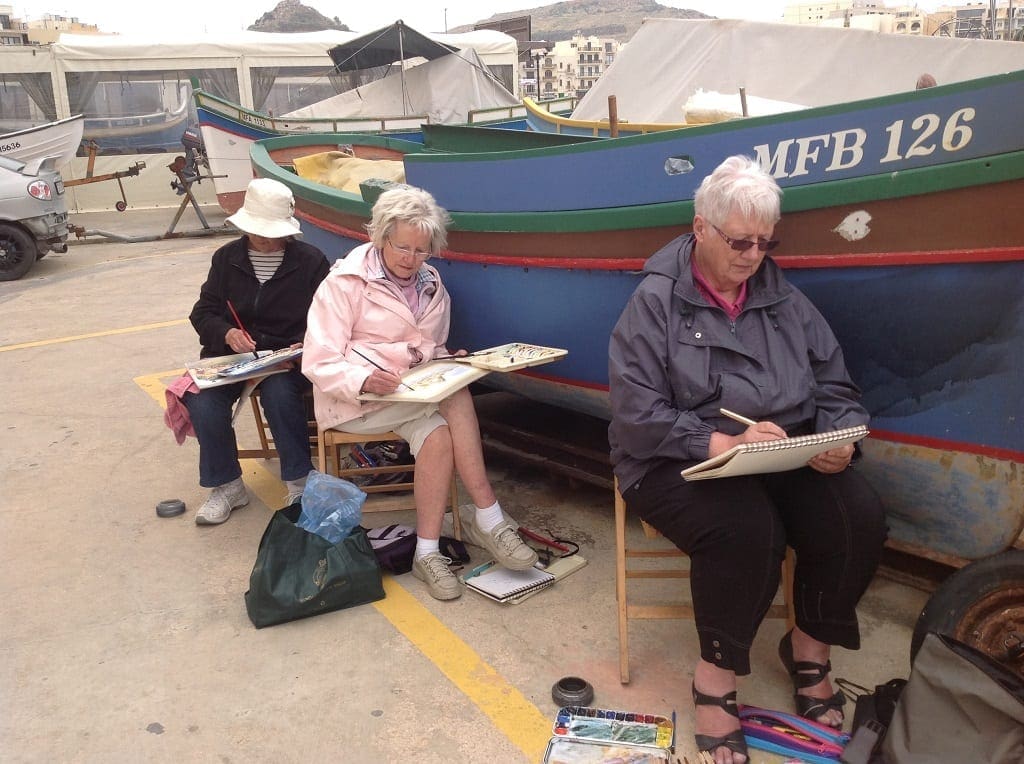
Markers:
(586, 735)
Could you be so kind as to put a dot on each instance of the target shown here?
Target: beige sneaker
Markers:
(432, 569)
(503, 543)
(223, 499)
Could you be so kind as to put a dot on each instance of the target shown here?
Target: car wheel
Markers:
(17, 252)
(983, 605)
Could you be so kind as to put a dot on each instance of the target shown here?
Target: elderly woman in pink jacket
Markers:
(381, 311)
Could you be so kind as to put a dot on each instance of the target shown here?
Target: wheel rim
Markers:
(995, 625)
(10, 254)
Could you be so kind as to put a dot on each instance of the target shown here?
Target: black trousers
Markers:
(736, 530)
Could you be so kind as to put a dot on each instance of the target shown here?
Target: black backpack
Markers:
(395, 545)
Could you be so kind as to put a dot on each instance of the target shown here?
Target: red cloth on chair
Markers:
(176, 416)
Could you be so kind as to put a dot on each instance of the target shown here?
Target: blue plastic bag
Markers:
(331, 507)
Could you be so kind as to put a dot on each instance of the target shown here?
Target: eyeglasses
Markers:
(409, 250)
(742, 245)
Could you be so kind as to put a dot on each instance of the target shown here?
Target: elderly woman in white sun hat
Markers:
(269, 278)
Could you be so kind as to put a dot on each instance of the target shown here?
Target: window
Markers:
(128, 112)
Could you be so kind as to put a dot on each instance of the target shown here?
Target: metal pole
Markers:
(992, 19)
(401, 65)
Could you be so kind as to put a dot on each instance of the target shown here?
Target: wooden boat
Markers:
(229, 129)
(889, 134)
(469, 139)
(450, 87)
(60, 138)
(545, 121)
(940, 372)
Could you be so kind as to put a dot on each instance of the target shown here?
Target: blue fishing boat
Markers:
(890, 134)
(921, 274)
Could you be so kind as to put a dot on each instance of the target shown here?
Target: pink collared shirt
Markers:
(732, 309)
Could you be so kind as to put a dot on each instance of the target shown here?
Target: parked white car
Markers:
(33, 215)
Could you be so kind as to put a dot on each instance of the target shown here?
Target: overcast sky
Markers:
(232, 15)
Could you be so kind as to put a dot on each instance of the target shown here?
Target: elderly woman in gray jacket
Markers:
(714, 324)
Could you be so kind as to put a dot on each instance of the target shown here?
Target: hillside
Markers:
(293, 16)
(603, 18)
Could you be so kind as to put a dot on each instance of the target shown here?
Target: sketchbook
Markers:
(504, 585)
(512, 356)
(558, 569)
(228, 369)
(431, 382)
(772, 455)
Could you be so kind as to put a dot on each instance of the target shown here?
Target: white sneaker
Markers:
(503, 543)
(223, 499)
(432, 569)
(294, 492)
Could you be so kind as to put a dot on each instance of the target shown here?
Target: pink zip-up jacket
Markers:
(356, 307)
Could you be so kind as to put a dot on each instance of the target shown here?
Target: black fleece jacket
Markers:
(274, 313)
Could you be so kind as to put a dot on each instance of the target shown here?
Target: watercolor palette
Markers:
(513, 356)
(586, 735)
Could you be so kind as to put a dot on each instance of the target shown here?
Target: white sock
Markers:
(234, 485)
(488, 517)
(296, 486)
(426, 546)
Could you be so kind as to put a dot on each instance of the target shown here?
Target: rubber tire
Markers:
(14, 266)
(120, 206)
(999, 579)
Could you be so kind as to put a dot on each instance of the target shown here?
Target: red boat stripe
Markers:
(864, 260)
(941, 444)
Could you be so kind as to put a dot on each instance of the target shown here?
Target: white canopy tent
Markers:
(242, 52)
(445, 89)
(668, 60)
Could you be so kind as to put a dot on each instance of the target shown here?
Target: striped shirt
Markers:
(265, 264)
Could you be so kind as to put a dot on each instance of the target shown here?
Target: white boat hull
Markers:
(57, 139)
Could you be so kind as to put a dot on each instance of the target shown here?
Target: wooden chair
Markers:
(387, 497)
(267, 449)
(380, 498)
(623, 573)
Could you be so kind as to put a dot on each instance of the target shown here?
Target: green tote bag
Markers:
(298, 574)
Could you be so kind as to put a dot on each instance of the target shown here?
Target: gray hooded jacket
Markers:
(674, 361)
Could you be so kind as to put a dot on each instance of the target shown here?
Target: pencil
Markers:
(371, 361)
(239, 322)
(738, 417)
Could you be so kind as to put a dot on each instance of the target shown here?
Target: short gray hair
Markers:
(412, 206)
(739, 184)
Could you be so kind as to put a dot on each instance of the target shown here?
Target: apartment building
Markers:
(42, 31)
(571, 67)
(12, 31)
(963, 20)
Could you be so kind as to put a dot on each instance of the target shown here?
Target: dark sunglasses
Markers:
(742, 245)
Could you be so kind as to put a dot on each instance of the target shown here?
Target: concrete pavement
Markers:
(126, 637)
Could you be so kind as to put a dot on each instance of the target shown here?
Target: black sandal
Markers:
(734, 740)
(807, 674)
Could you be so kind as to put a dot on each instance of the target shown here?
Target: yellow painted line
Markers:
(515, 716)
(512, 713)
(92, 335)
(154, 386)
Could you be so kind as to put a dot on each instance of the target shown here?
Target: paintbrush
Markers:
(242, 329)
(374, 363)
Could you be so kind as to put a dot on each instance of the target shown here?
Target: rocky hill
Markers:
(293, 16)
(603, 18)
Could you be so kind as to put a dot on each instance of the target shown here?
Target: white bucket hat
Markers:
(267, 210)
